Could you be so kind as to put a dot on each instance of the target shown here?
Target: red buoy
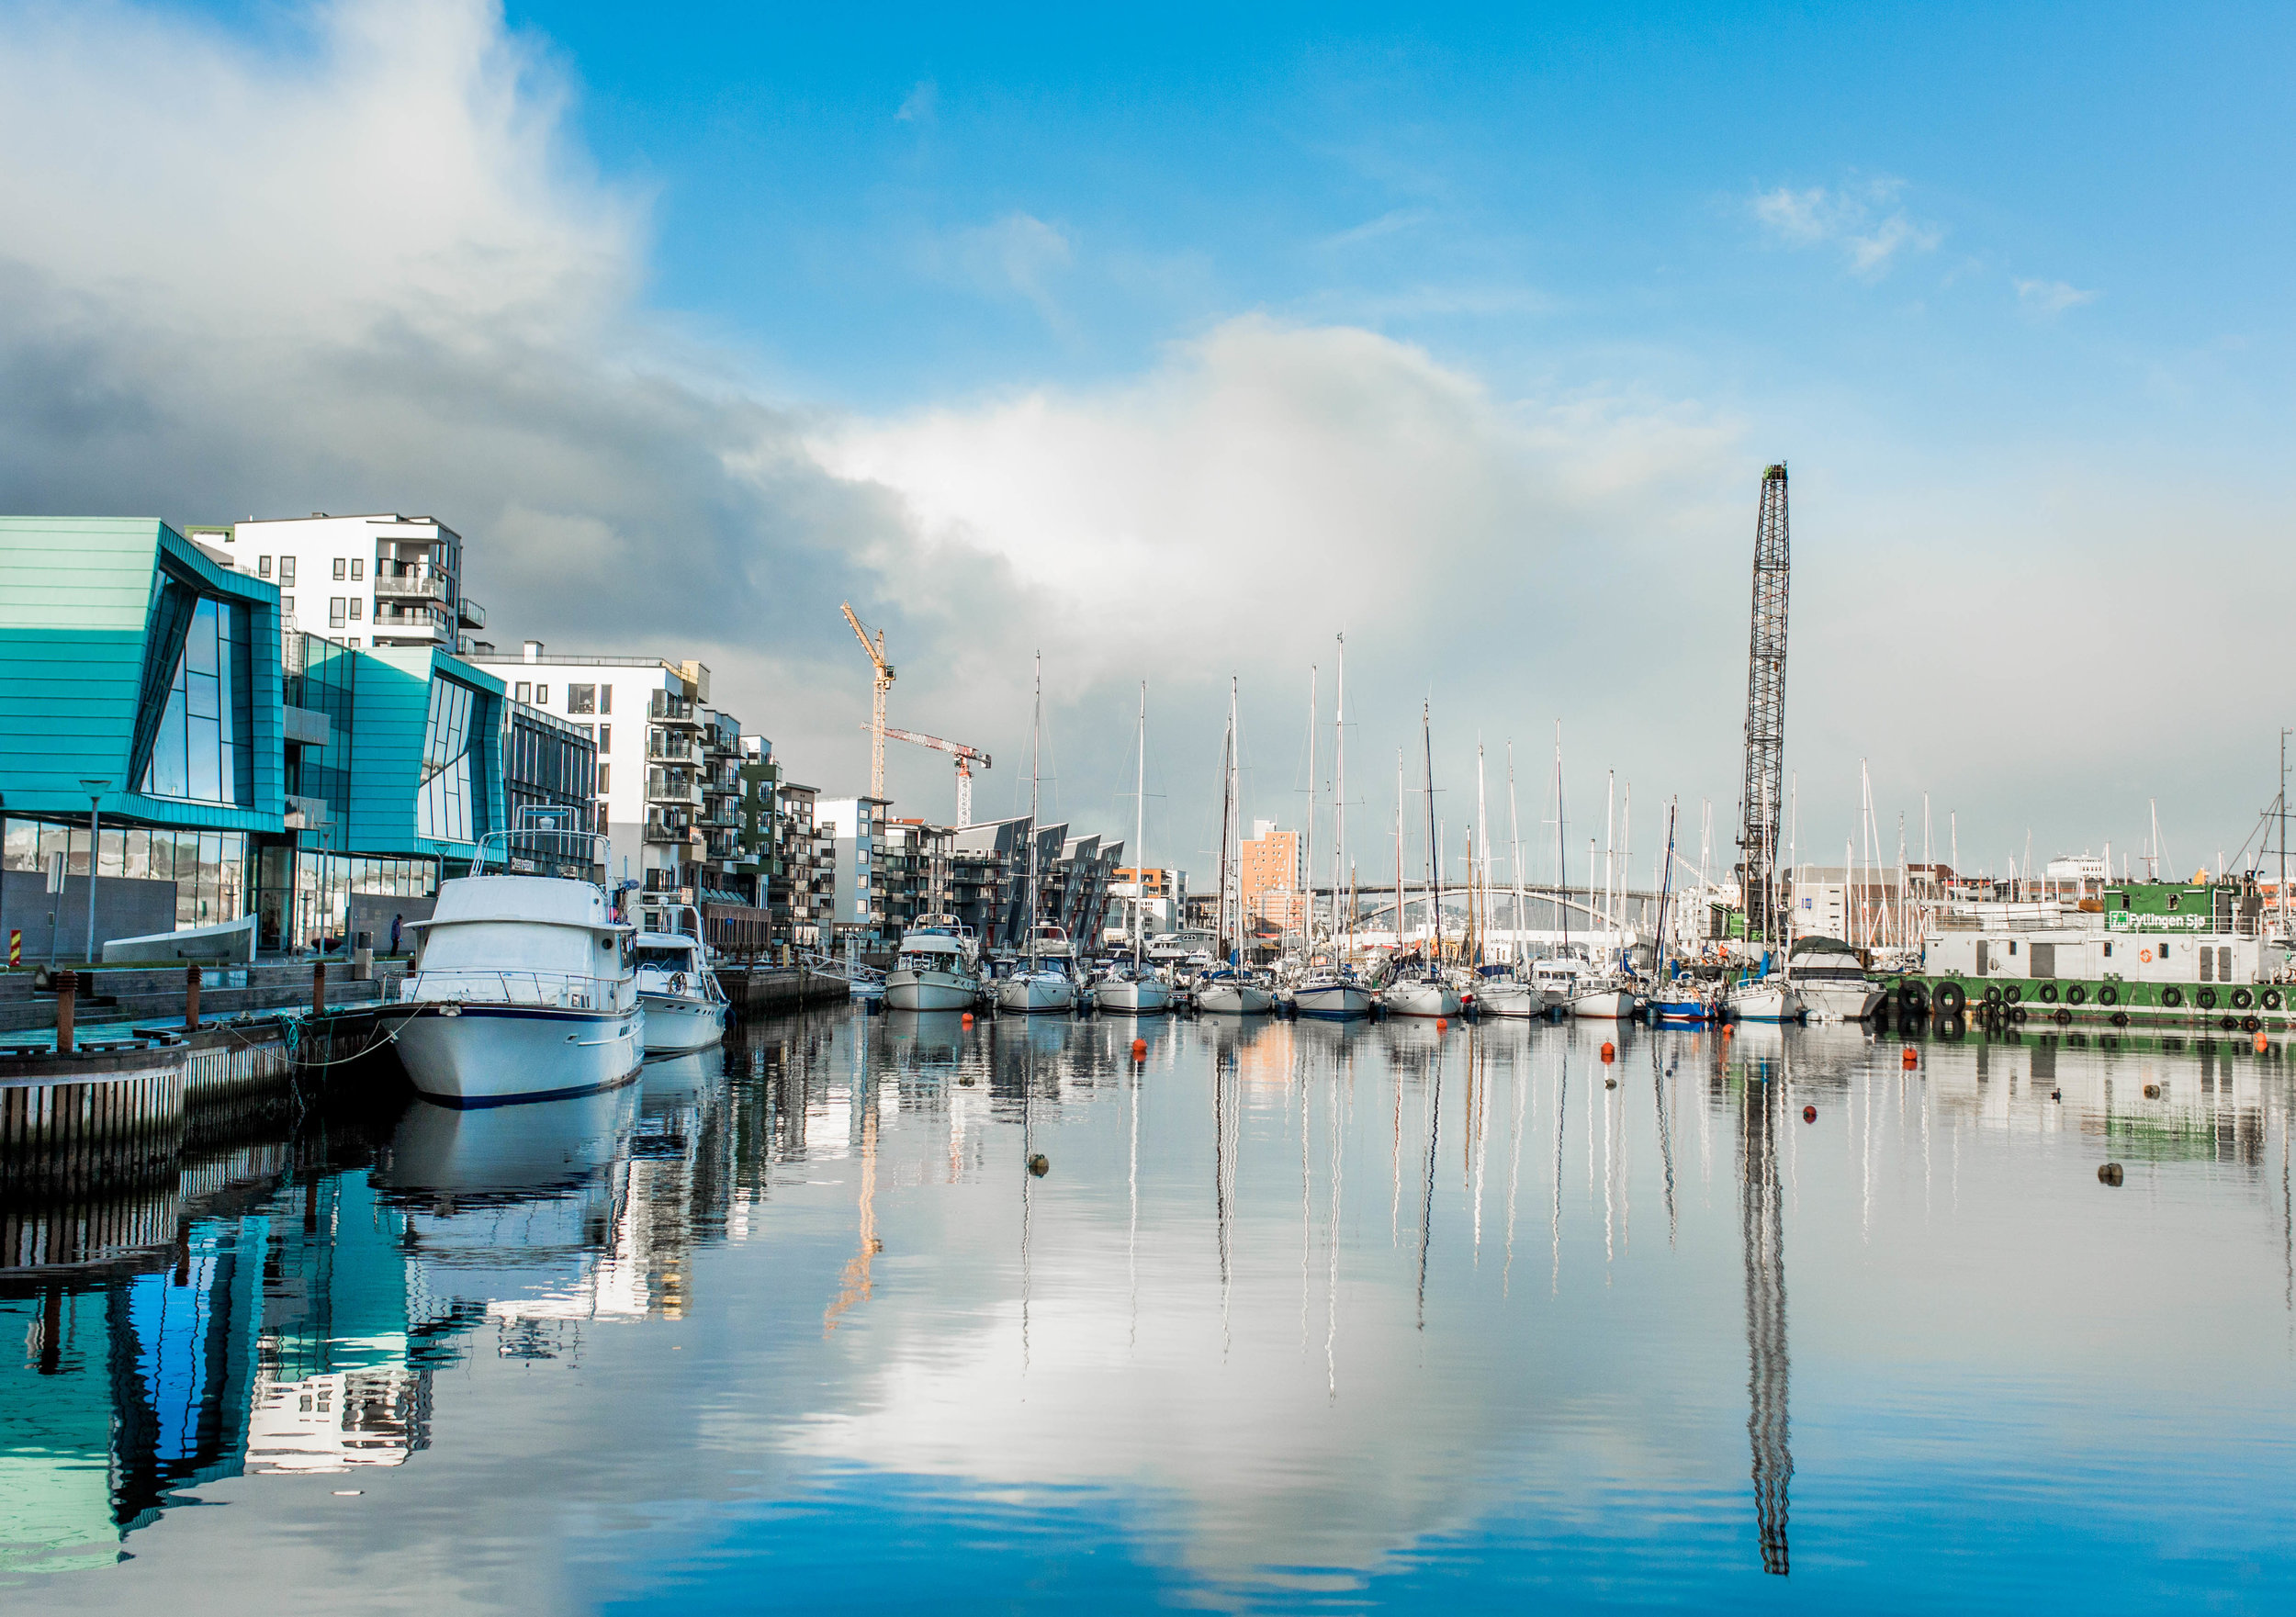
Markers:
(1610, 1051)
(1910, 1059)
(1809, 1114)
(968, 1019)
(1140, 1049)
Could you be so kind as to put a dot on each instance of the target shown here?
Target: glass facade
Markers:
(208, 868)
(204, 750)
(549, 781)
(449, 807)
(324, 684)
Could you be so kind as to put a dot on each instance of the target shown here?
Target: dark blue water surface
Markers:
(1299, 1316)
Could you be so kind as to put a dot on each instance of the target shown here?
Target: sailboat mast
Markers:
(1562, 862)
(1339, 801)
(1399, 852)
(1482, 874)
(1514, 835)
(1227, 816)
(1036, 753)
(1307, 846)
(1434, 864)
(1140, 830)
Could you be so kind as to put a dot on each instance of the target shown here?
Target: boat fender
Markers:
(1951, 999)
(2151, 1092)
(2018, 1012)
(2228, 1023)
(2108, 1174)
(2064, 1017)
(2014, 994)
(2252, 1024)
(2205, 999)
(2172, 997)
(1039, 1165)
(1993, 994)
(2108, 995)
(2076, 994)
(1809, 1114)
(2272, 999)
(2048, 994)
(1610, 1052)
(2121, 1019)
(2243, 999)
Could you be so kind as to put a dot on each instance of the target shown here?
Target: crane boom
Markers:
(966, 758)
(880, 683)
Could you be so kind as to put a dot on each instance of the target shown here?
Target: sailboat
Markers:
(1425, 991)
(1678, 1003)
(1044, 983)
(1506, 991)
(1135, 989)
(1226, 990)
(1600, 996)
(1332, 992)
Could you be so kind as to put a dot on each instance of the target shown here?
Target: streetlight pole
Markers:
(96, 790)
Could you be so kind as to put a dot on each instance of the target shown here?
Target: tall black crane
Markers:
(1763, 803)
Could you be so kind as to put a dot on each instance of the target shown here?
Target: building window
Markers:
(525, 690)
(202, 749)
(542, 696)
(263, 567)
(334, 612)
(358, 567)
(581, 699)
(605, 731)
(338, 566)
(605, 778)
(446, 805)
(287, 604)
(287, 571)
(358, 607)
(606, 699)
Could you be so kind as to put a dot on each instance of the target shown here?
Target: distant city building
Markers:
(378, 579)
(1271, 877)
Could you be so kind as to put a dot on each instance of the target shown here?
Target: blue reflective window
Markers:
(444, 806)
(201, 750)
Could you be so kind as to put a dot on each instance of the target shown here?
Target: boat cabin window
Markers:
(2107, 950)
(2164, 948)
(2012, 945)
(2174, 899)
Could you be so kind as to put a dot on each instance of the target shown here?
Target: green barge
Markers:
(2152, 954)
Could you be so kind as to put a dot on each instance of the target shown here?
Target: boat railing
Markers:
(494, 985)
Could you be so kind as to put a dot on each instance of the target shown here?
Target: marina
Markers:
(1298, 1312)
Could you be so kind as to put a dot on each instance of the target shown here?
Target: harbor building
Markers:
(856, 897)
(1272, 877)
(173, 747)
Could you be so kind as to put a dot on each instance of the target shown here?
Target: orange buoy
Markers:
(1140, 1049)
(1809, 1114)
(968, 1019)
(1910, 1058)
(1442, 1023)
(1729, 1030)
(1610, 1051)
(2261, 1045)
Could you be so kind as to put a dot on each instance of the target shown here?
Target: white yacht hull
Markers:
(1138, 998)
(678, 1023)
(1509, 999)
(1605, 1005)
(1036, 991)
(908, 990)
(1765, 1005)
(1843, 1000)
(1235, 999)
(1332, 1002)
(1421, 999)
(492, 1055)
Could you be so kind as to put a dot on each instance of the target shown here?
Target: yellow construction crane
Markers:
(881, 684)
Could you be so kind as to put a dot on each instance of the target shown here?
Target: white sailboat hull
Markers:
(907, 989)
(677, 1023)
(1235, 999)
(1332, 1002)
(1509, 999)
(489, 1055)
(1841, 1000)
(1605, 1005)
(1036, 991)
(1421, 999)
(1134, 997)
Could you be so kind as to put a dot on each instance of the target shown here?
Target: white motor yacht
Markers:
(1045, 981)
(938, 969)
(685, 1008)
(1832, 983)
(523, 988)
(1557, 980)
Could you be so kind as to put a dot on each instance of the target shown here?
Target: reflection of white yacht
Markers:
(1045, 981)
(936, 970)
(524, 989)
(685, 1009)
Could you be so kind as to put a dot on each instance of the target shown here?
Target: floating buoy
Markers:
(2056, 1095)
(1809, 1114)
(1442, 1023)
(1610, 1084)
(1039, 1164)
(2110, 1173)
(2261, 1044)
(1610, 1051)
(1909, 1057)
(2151, 1092)
(1140, 1049)
(1728, 1030)
(968, 1019)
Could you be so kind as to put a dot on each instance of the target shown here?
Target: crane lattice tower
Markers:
(1764, 797)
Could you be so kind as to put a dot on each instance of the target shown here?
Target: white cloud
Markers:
(1017, 255)
(922, 104)
(1863, 220)
(2048, 299)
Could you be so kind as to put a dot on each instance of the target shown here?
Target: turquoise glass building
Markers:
(178, 742)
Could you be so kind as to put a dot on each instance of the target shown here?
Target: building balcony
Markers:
(670, 747)
(472, 614)
(669, 832)
(422, 622)
(665, 786)
(413, 584)
(667, 709)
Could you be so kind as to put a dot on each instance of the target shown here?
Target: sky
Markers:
(1174, 345)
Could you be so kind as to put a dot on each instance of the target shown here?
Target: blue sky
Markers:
(1171, 343)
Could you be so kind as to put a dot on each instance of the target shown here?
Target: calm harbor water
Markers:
(1299, 1316)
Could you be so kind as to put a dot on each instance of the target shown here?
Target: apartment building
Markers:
(856, 895)
(1272, 877)
(376, 579)
(1155, 892)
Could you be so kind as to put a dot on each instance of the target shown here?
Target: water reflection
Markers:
(1193, 1343)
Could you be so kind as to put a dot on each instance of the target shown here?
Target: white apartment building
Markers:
(377, 579)
(855, 901)
(651, 722)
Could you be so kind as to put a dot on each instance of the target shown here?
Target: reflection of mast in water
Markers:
(1761, 1229)
(1666, 1136)
(1562, 1097)
(1427, 1198)
(1516, 1072)
(855, 1284)
(1336, 1135)
(1224, 1143)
